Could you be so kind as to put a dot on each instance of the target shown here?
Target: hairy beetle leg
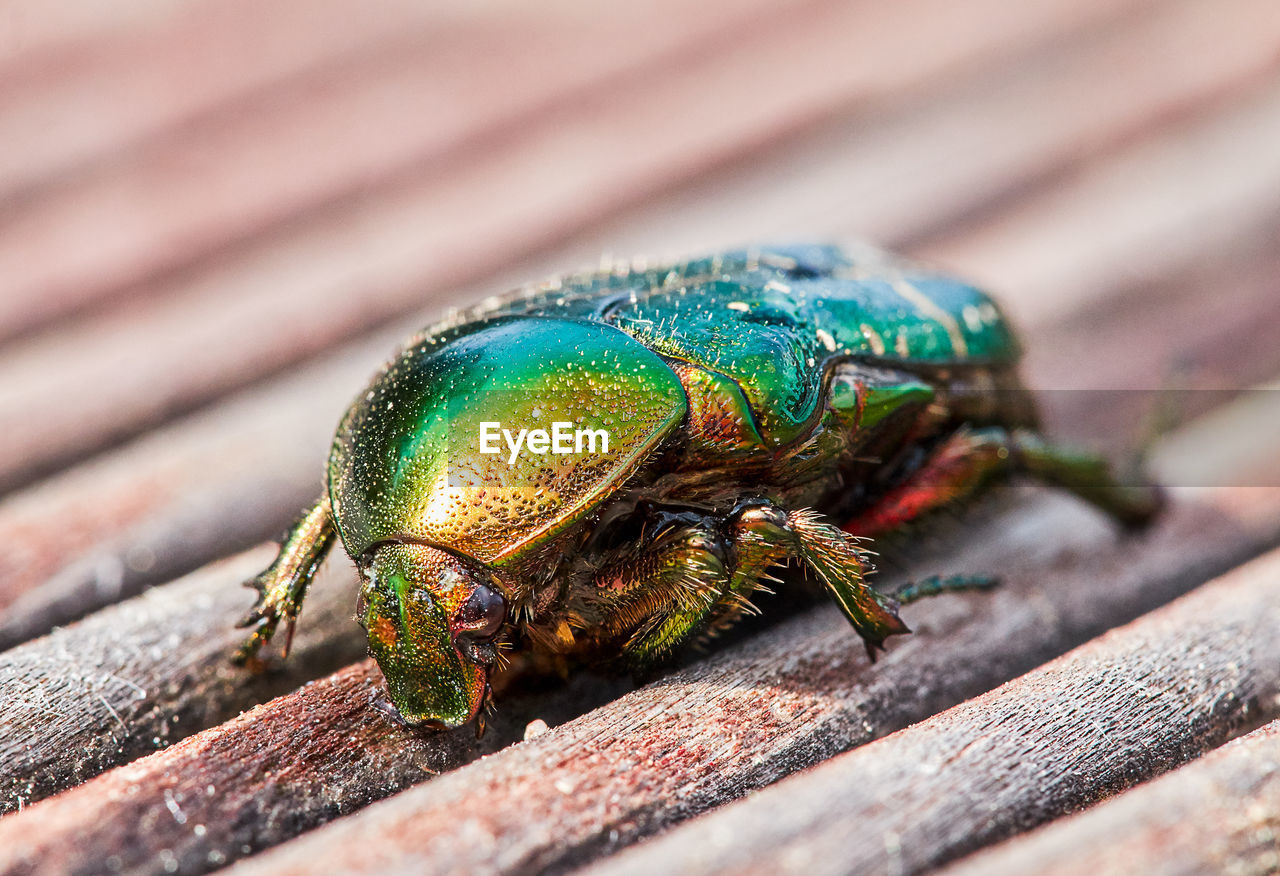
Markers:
(689, 581)
(283, 586)
(699, 575)
(842, 563)
(659, 596)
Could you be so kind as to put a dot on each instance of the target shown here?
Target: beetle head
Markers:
(432, 619)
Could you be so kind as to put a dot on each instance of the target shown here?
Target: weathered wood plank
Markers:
(1134, 703)
(307, 762)
(149, 671)
(299, 760)
(73, 671)
(287, 295)
(1220, 814)
(1228, 186)
(213, 621)
(109, 674)
(217, 482)
(1059, 591)
(782, 701)
(156, 65)
(259, 455)
(878, 174)
(422, 85)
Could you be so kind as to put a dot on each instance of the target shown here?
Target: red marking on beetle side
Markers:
(384, 631)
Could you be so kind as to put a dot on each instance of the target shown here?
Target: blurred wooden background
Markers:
(218, 217)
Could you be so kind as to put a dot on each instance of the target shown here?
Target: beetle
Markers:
(605, 467)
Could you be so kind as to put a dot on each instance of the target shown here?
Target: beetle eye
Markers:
(481, 616)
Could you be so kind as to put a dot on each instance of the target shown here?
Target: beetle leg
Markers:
(696, 577)
(1089, 477)
(655, 598)
(970, 459)
(690, 580)
(763, 535)
(841, 563)
(282, 587)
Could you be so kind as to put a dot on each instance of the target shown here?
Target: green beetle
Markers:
(602, 468)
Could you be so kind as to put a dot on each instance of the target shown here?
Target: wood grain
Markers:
(1136, 702)
(783, 701)
(224, 480)
(191, 197)
(877, 172)
(154, 668)
(165, 525)
(237, 166)
(287, 294)
(149, 671)
(303, 759)
(1228, 185)
(158, 66)
(215, 483)
(825, 698)
(1220, 814)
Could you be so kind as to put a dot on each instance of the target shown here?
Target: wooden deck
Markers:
(217, 218)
